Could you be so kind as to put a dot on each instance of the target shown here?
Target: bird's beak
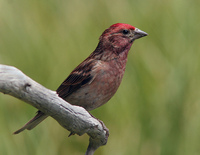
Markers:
(138, 34)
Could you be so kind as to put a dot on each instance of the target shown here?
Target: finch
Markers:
(94, 81)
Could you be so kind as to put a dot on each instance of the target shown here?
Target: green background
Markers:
(156, 110)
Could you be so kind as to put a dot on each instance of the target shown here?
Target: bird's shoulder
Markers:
(82, 75)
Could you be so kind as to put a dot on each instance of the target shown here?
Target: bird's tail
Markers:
(33, 122)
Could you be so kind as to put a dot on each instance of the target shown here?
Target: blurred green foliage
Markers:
(156, 110)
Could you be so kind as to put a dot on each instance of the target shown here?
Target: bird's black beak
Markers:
(138, 34)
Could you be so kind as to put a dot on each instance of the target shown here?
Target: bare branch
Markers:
(73, 118)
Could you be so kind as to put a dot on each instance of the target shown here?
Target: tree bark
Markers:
(73, 118)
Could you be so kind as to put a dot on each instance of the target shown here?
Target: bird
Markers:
(94, 81)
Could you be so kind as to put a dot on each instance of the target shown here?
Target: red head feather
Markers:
(122, 26)
(115, 28)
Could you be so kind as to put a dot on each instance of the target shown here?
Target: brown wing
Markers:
(79, 77)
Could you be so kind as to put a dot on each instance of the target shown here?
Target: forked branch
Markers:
(73, 118)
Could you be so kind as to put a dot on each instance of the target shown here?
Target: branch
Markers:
(73, 118)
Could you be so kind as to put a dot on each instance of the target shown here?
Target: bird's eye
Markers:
(125, 31)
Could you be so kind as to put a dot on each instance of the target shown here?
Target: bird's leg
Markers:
(103, 125)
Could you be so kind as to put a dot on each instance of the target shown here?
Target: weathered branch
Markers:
(73, 118)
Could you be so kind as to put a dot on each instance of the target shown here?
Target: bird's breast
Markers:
(107, 77)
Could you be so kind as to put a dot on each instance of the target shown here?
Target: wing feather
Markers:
(78, 78)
